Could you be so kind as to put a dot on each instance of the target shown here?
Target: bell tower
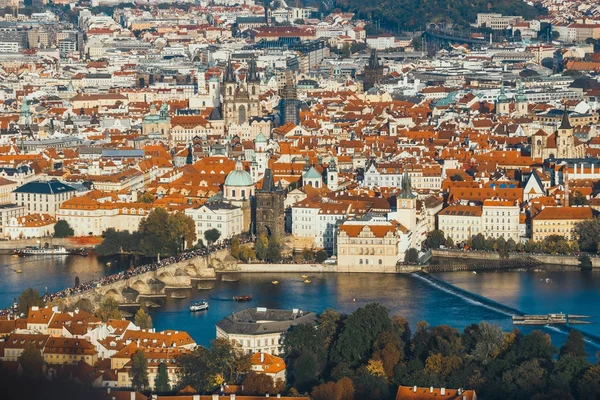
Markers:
(406, 204)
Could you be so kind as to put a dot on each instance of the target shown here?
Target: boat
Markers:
(246, 297)
(307, 281)
(227, 278)
(199, 306)
(304, 276)
(49, 251)
(178, 296)
(18, 271)
(274, 282)
(108, 264)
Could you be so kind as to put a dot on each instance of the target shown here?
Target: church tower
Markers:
(241, 99)
(332, 176)
(521, 105)
(406, 204)
(564, 137)
(373, 71)
(502, 103)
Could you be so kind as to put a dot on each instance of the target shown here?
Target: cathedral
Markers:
(560, 144)
(241, 99)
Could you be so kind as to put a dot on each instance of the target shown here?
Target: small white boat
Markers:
(475, 272)
(199, 306)
(274, 282)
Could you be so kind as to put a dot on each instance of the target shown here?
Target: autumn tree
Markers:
(259, 384)
(142, 319)
(235, 248)
(108, 309)
(261, 247)
(147, 198)
(589, 384)
(29, 298)
(139, 371)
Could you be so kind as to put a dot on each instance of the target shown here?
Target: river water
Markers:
(566, 291)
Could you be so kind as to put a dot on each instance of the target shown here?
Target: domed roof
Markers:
(238, 177)
(260, 138)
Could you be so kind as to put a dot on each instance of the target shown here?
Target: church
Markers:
(241, 99)
(560, 144)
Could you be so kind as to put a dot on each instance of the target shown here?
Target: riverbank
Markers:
(7, 246)
(492, 256)
(318, 268)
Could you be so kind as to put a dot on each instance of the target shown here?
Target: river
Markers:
(566, 291)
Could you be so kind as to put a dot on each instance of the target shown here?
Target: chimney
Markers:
(415, 389)
(232, 396)
(443, 391)
(431, 389)
(262, 357)
(107, 390)
(132, 395)
(214, 397)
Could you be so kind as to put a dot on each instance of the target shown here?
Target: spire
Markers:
(373, 59)
(229, 72)
(565, 123)
(252, 73)
(268, 181)
(406, 186)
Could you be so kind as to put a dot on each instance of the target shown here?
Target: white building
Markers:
(224, 217)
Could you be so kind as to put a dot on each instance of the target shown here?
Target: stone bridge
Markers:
(154, 284)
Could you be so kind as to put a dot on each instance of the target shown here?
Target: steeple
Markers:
(332, 166)
(406, 186)
(373, 59)
(252, 72)
(565, 124)
(229, 72)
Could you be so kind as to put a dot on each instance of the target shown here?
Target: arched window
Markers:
(243, 194)
(253, 90)
(316, 184)
(229, 90)
(360, 261)
(380, 261)
(233, 193)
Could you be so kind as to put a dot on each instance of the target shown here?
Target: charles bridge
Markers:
(155, 284)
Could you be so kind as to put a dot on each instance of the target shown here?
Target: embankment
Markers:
(7, 246)
(494, 256)
(318, 268)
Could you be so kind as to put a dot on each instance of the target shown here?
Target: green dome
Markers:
(238, 178)
(260, 138)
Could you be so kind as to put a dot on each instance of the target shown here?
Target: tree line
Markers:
(159, 233)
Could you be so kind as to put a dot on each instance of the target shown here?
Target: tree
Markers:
(308, 255)
(164, 233)
(574, 346)
(31, 361)
(109, 309)
(457, 178)
(259, 384)
(435, 239)
(525, 380)
(235, 247)
(358, 334)
(411, 256)
(212, 235)
(588, 232)
(478, 242)
(579, 200)
(511, 245)
(62, 229)
(589, 384)
(147, 198)
(261, 246)
(375, 368)
(585, 262)
(567, 372)
(490, 340)
(321, 256)
(449, 242)
(84, 305)
(325, 391)
(274, 250)
(142, 319)
(139, 371)
(246, 254)
(161, 382)
(29, 298)
(76, 282)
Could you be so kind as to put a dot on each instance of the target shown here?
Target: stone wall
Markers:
(318, 268)
(542, 258)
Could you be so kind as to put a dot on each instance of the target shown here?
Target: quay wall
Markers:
(7, 246)
(319, 268)
(541, 258)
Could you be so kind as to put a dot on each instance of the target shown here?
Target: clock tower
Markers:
(406, 204)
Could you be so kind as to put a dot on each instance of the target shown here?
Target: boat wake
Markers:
(495, 306)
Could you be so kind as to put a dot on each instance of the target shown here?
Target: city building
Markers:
(261, 329)
(42, 196)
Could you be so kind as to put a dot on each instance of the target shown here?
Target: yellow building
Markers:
(558, 221)
(61, 350)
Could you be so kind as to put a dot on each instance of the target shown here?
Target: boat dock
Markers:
(550, 319)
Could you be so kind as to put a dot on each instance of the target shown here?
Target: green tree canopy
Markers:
(31, 361)
(411, 256)
(139, 372)
(161, 381)
(261, 246)
(435, 239)
(29, 298)
(212, 235)
(588, 232)
(574, 346)
(62, 229)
